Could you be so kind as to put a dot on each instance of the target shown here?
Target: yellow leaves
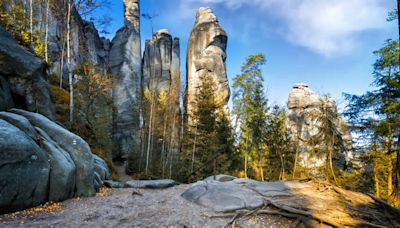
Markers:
(47, 208)
(16, 22)
(104, 192)
(147, 95)
(163, 98)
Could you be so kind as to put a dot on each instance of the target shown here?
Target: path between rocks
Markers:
(119, 208)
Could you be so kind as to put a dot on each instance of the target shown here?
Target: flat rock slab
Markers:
(165, 183)
(220, 178)
(222, 196)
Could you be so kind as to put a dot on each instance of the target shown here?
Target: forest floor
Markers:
(121, 208)
(303, 204)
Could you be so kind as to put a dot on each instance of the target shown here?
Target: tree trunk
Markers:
(245, 166)
(70, 78)
(282, 175)
(331, 165)
(295, 163)
(194, 148)
(376, 179)
(390, 176)
(46, 38)
(31, 20)
(149, 136)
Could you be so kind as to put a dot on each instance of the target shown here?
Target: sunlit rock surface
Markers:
(125, 63)
(303, 107)
(206, 54)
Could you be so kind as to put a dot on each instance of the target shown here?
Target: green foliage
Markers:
(208, 147)
(280, 149)
(16, 22)
(376, 114)
(250, 108)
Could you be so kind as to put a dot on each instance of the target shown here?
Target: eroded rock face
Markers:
(303, 106)
(21, 78)
(161, 75)
(206, 54)
(125, 64)
(86, 43)
(41, 161)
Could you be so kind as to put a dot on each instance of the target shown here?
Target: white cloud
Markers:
(328, 27)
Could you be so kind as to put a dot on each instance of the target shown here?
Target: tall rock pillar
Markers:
(125, 66)
(161, 85)
(206, 54)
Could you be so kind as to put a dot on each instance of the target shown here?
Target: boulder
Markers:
(62, 169)
(24, 72)
(125, 65)
(20, 122)
(114, 184)
(6, 100)
(74, 145)
(24, 170)
(206, 54)
(222, 196)
(101, 168)
(220, 178)
(166, 183)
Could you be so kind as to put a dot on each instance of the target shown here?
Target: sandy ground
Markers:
(119, 208)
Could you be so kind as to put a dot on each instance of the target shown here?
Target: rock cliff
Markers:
(206, 54)
(125, 64)
(161, 86)
(22, 81)
(303, 107)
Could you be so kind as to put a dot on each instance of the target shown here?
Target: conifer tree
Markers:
(250, 108)
(377, 112)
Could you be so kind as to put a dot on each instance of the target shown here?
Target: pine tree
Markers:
(376, 114)
(249, 109)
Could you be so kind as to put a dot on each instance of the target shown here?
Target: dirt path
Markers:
(155, 208)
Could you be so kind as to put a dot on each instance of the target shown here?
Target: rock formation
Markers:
(41, 161)
(206, 54)
(86, 43)
(161, 77)
(125, 64)
(303, 106)
(22, 83)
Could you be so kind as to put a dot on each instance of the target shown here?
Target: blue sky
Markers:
(327, 44)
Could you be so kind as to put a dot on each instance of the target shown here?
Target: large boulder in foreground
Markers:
(41, 161)
(312, 203)
(21, 77)
(24, 170)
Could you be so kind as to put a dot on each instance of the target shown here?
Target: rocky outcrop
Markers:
(303, 107)
(125, 63)
(161, 56)
(41, 161)
(86, 43)
(311, 204)
(206, 54)
(161, 79)
(21, 79)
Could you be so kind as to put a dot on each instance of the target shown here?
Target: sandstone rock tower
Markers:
(206, 54)
(125, 65)
(303, 106)
(161, 77)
